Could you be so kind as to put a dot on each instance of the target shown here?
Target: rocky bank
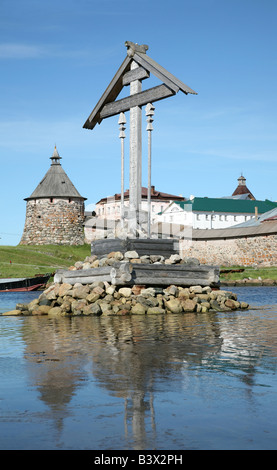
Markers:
(103, 298)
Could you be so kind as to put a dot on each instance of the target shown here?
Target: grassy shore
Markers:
(249, 273)
(26, 261)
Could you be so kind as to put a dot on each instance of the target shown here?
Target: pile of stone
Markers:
(130, 256)
(101, 298)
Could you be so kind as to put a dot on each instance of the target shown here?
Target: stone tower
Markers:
(55, 210)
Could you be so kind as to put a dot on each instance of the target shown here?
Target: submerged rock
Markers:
(12, 313)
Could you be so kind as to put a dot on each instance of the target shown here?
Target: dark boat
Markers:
(24, 284)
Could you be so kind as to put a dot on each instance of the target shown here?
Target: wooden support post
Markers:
(137, 74)
(122, 127)
(135, 156)
(149, 111)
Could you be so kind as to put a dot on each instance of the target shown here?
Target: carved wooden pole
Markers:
(149, 111)
(135, 154)
(122, 127)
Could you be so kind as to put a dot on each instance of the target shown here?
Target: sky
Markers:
(58, 57)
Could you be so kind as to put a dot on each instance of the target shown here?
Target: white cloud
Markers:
(19, 51)
(29, 51)
(36, 51)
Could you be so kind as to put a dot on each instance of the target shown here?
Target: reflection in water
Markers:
(76, 364)
(156, 382)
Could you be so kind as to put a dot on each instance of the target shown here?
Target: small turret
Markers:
(242, 189)
(55, 157)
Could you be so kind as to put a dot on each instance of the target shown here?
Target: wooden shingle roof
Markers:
(55, 183)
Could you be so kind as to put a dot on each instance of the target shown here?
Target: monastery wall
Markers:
(259, 249)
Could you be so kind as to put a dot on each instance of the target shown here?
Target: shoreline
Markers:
(249, 282)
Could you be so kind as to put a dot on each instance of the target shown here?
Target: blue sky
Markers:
(57, 57)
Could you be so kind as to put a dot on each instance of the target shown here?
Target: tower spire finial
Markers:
(55, 157)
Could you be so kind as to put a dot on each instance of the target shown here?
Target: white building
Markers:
(176, 212)
(109, 207)
(213, 213)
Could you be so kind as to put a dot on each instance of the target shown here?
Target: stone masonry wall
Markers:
(245, 251)
(57, 222)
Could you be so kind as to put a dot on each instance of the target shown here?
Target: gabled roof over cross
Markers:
(108, 106)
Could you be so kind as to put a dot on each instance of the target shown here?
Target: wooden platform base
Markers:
(129, 274)
(143, 246)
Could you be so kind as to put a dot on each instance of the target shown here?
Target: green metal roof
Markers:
(206, 204)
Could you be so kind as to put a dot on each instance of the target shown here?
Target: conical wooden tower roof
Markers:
(55, 183)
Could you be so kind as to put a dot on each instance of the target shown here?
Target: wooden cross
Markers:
(137, 66)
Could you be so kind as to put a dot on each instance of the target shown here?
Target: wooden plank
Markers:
(84, 276)
(165, 282)
(176, 269)
(161, 73)
(86, 280)
(181, 275)
(137, 74)
(143, 246)
(118, 274)
(110, 94)
(139, 99)
(85, 272)
(143, 274)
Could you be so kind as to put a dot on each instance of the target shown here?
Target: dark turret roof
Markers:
(55, 183)
(242, 188)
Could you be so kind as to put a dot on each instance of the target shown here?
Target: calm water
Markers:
(175, 382)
